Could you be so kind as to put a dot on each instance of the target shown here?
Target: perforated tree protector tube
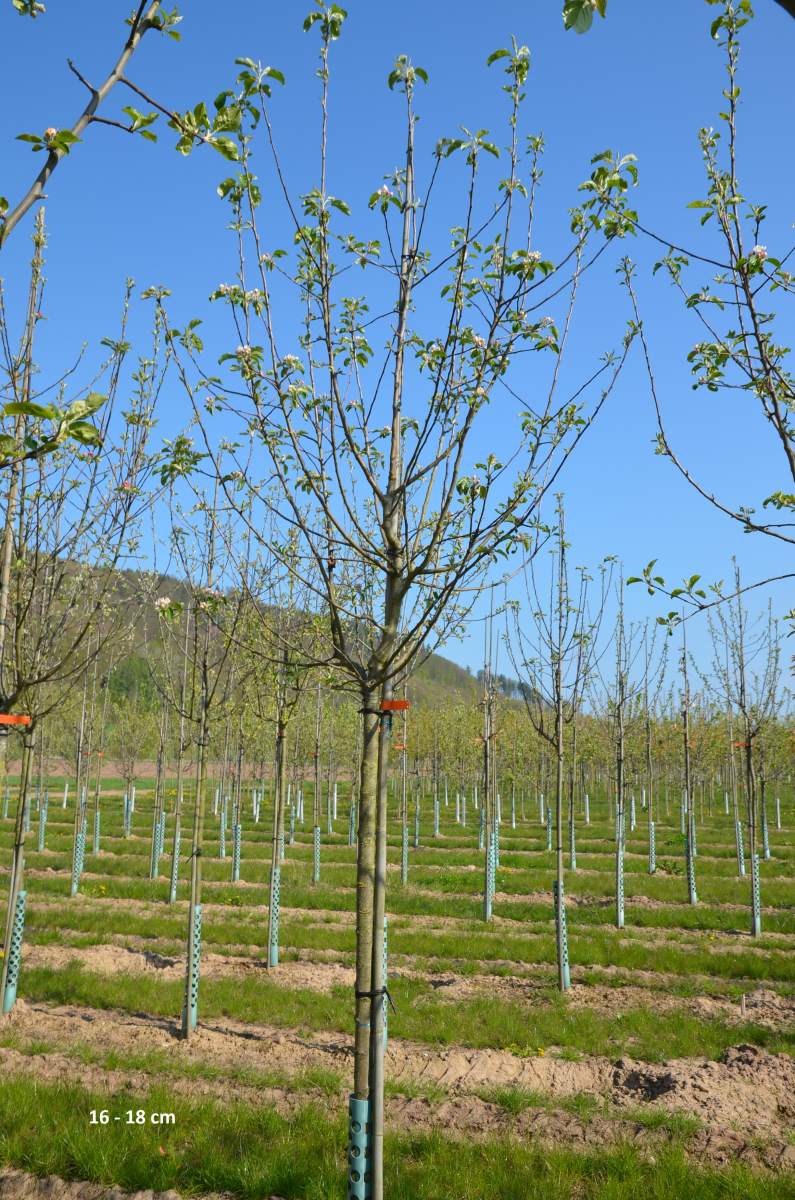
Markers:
(488, 883)
(97, 815)
(562, 934)
(436, 816)
(316, 854)
(276, 896)
(404, 854)
(78, 855)
(358, 1149)
(738, 833)
(236, 853)
(652, 848)
(15, 953)
(549, 828)
(631, 814)
(572, 847)
(587, 809)
(756, 897)
(620, 885)
(190, 1013)
(172, 893)
(691, 874)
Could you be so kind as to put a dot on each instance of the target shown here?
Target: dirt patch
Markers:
(748, 1090)
(458, 1116)
(114, 960)
(19, 1185)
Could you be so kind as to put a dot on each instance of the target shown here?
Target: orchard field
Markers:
(664, 1070)
(333, 340)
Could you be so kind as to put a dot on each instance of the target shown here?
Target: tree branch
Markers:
(140, 25)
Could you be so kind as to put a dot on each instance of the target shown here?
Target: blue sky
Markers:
(643, 81)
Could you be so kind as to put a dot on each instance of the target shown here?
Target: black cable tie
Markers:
(384, 991)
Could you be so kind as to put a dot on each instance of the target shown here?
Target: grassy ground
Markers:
(250, 1152)
(668, 950)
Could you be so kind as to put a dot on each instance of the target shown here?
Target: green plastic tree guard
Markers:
(42, 827)
(15, 954)
(738, 838)
(562, 936)
(691, 872)
(316, 854)
(190, 1013)
(273, 945)
(78, 857)
(358, 1149)
(172, 891)
(756, 897)
(236, 835)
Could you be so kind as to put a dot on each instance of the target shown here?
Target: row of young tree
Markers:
(331, 510)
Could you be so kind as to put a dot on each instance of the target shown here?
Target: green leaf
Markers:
(27, 408)
(226, 147)
(84, 408)
(85, 433)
